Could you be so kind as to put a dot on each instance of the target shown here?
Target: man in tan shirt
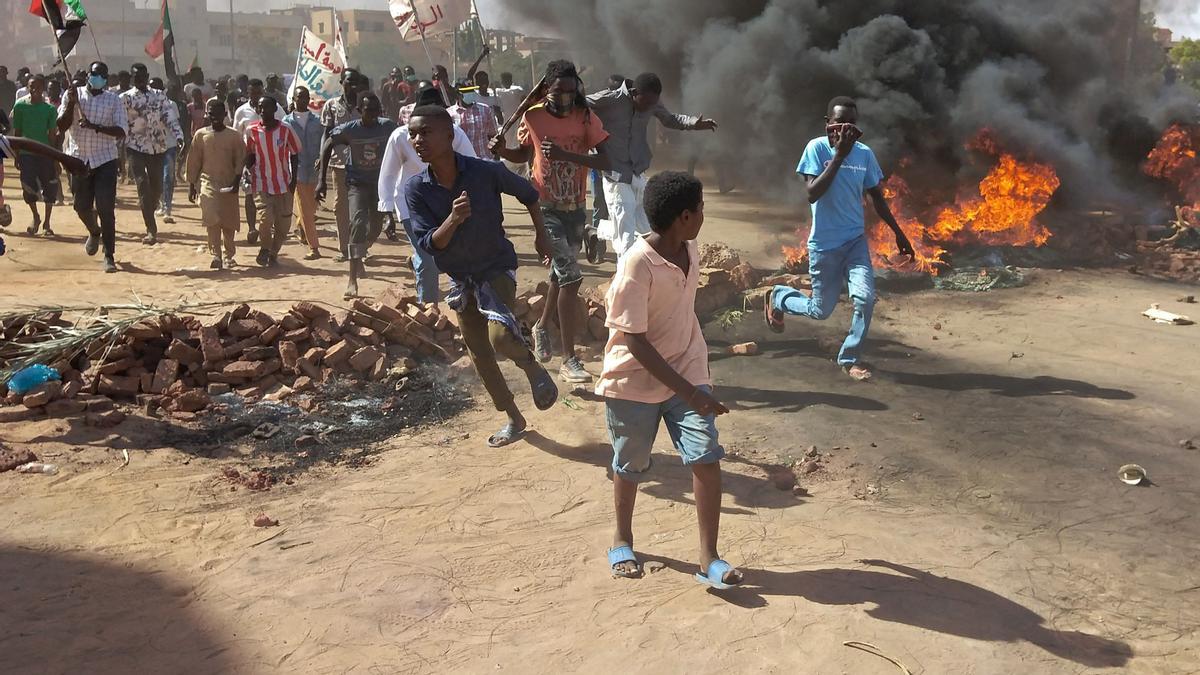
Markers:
(214, 170)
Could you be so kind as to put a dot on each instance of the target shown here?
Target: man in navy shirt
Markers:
(838, 170)
(457, 217)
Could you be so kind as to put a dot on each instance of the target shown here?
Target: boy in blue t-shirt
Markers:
(838, 170)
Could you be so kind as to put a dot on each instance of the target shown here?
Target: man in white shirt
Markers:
(511, 96)
(153, 129)
(243, 118)
(400, 162)
(97, 122)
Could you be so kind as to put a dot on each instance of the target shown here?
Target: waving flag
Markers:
(319, 68)
(67, 17)
(162, 45)
(424, 18)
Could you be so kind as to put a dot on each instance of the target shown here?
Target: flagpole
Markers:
(483, 36)
(296, 71)
(428, 55)
(66, 68)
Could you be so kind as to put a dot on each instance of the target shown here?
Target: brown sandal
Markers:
(774, 319)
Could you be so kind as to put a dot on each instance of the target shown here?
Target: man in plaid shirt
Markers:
(97, 122)
(272, 159)
(479, 121)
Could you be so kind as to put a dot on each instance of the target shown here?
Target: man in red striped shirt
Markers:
(272, 158)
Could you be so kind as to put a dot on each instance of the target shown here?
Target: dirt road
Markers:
(967, 518)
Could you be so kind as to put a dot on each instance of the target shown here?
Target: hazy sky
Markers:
(1178, 16)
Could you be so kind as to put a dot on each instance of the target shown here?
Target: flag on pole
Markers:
(162, 45)
(67, 17)
(319, 67)
(339, 43)
(425, 18)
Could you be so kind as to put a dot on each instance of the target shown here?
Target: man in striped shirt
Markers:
(272, 159)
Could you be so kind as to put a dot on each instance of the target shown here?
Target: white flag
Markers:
(416, 18)
(319, 67)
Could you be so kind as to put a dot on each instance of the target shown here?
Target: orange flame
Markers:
(1176, 159)
(1003, 211)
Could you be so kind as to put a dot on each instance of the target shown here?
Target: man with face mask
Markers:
(302, 121)
(477, 119)
(153, 128)
(97, 122)
(626, 112)
(558, 136)
(366, 139)
(335, 113)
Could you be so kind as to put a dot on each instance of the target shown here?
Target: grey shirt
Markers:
(628, 146)
(335, 113)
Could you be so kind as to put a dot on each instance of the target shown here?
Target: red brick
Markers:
(309, 369)
(191, 401)
(299, 335)
(289, 354)
(210, 345)
(166, 373)
(365, 334)
(263, 319)
(365, 359)
(101, 350)
(303, 383)
(378, 371)
(272, 366)
(99, 404)
(340, 321)
(235, 350)
(72, 387)
(144, 331)
(42, 394)
(184, 353)
(114, 367)
(323, 332)
(291, 322)
(260, 353)
(315, 354)
(145, 381)
(310, 311)
(245, 370)
(218, 388)
(243, 328)
(271, 334)
(17, 413)
(339, 353)
(114, 385)
(106, 419)
(240, 312)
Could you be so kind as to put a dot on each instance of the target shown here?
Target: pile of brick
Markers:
(590, 312)
(176, 364)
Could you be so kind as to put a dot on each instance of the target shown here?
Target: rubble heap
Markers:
(177, 363)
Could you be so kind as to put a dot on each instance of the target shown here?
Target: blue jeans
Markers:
(851, 263)
(168, 195)
(633, 426)
(425, 269)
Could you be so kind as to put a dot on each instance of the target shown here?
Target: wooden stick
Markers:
(534, 97)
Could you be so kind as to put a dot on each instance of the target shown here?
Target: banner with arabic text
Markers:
(319, 67)
(416, 18)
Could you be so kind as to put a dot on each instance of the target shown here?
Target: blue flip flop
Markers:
(622, 554)
(716, 575)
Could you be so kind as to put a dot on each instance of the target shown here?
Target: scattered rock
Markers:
(42, 394)
(65, 407)
(306, 441)
(11, 458)
(783, 479)
(812, 452)
(981, 494)
(105, 420)
(219, 388)
(653, 566)
(743, 349)
(1188, 299)
(265, 430)
(1187, 444)
(918, 416)
(193, 400)
(265, 521)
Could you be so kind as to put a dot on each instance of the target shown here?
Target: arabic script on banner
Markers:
(319, 68)
(428, 17)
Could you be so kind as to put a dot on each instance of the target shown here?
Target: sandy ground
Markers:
(968, 520)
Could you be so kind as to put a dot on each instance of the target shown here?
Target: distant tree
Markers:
(1186, 58)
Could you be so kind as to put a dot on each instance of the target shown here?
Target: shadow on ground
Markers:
(65, 613)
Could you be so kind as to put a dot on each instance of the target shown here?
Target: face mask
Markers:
(561, 103)
(97, 82)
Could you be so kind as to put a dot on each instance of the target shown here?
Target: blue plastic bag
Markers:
(27, 378)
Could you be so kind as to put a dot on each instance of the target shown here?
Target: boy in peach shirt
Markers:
(656, 369)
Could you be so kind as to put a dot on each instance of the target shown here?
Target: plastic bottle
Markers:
(38, 467)
(27, 378)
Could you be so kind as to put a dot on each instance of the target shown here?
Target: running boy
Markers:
(458, 218)
(656, 370)
(36, 119)
(214, 169)
(272, 159)
(557, 136)
(839, 170)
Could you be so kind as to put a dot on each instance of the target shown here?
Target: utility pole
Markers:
(232, 39)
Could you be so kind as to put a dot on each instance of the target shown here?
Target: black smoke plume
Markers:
(1078, 85)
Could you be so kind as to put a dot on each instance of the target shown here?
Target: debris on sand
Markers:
(1163, 316)
(1132, 474)
(979, 279)
(265, 521)
(255, 480)
(719, 256)
(743, 349)
(1186, 444)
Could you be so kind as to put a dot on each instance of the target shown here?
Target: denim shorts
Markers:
(633, 427)
(565, 229)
